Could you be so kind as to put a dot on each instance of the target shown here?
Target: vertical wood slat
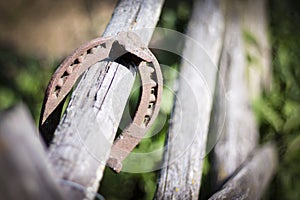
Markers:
(84, 136)
(255, 30)
(243, 81)
(24, 171)
(238, 135)
(186, 142)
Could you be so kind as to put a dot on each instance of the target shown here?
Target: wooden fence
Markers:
(229, 32)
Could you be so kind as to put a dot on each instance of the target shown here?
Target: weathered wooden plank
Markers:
(84, 136)
(185, 146)
(232, 125)
(234, 142)
(24, 171)
(257, 46)
(250, 181)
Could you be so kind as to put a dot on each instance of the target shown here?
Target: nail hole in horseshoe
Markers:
(150, 105)
(89, 51)
(152, 90)
(76, 61)
(57, 90)
(65, 74)
(146, 119)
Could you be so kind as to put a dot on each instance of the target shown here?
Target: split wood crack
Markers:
(124, 45)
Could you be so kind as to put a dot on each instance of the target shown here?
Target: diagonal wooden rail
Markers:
(251, 179)
(84, 136)
(24, 170)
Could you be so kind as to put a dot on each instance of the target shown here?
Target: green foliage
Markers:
(175, 15)
(279, 111)
(250, 40)
(22, 78)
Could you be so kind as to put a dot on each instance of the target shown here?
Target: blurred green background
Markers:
(24, 75)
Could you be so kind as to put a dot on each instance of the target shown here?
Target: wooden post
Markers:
(241, 81)
(186, 142)
(257, 47)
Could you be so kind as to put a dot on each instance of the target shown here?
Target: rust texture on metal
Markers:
(87, 55)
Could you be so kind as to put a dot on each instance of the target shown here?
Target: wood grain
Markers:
(252, 178)
(84, 136)
(185, 146)
(236, 88)
(24, 171)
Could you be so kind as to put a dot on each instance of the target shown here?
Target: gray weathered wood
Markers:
(84, 136)
(24, 171)
(232, 122)
(250, 181)
(238, 138)
(257, 46)
(185, 146)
